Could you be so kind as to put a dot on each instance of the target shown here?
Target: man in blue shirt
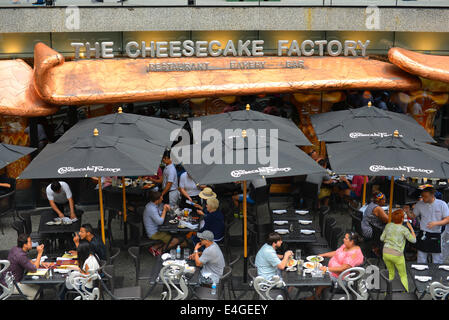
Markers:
(267, 261)
(153, 217)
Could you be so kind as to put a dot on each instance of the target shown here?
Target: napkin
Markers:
(419, 267)
(302, 211)
(279, 211)
(305, 221)
(281, 231)
(423, 278)
(39, 272)
(444, 268)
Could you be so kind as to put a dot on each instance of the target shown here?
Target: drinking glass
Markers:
(298, 254)
(173, 254)
(186, 253)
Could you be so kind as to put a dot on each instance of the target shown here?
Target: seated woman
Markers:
(349, 255)
(395, 236)
(213, 220)
(88, 263)
(374, 218)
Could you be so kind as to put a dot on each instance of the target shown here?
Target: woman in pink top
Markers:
(349, 255)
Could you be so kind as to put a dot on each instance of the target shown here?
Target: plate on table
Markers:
(302, 212)
(307, 232)
(50, 223)
(311, 265)
(305, 222)
(282, 231)
(423, 278)
(181, 226)
(62, 271)
(419, 267)
(166, 256)
(173, 221)
(315, 258)
(280, 222)
(148, 186)
(279, 211)
(291, 263)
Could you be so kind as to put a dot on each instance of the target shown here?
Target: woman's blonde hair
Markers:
(213, 203)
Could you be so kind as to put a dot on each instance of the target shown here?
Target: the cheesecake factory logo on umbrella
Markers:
(378, 168)
(355, 135)
(263, 171)
(93, 169)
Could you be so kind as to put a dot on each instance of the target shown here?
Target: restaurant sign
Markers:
(214, 48)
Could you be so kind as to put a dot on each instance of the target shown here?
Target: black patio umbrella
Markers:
(125, 125)
(364, 123)
(10, 153)
(246, 119)
(96, 156)
(392, 156)
(241, 162)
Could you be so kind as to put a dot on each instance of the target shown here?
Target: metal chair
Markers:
(112, 255)
(439, 291)
(35, 236)
(126, 293)
(352, 283)
(19, 226)
(269, 289)
(169, 274)
(390, 294)
(204, 293)
(8, 290)
(141, 273)
(8, 205)
(77, 281)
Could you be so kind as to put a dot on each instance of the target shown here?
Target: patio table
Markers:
(49, 215)
(296, 236)
(305, 282)
(437, 274)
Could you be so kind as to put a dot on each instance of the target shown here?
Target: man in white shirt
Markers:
(59, 195)
(433, 214)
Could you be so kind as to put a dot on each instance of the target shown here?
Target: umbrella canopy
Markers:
(249, 119)
(392, 156)
(364, 123)
(125, 125)
(291, 161)
(96, 156)
(10, 153)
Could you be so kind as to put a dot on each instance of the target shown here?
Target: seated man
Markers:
(59, 195)
(211, 259)
(267, 261)
(20, 264)
(153, 217)
(96, 244)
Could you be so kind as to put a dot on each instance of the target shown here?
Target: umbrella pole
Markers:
(125, 225)
(245, 237)
(391, 198)
(364, 191)
(100, 195)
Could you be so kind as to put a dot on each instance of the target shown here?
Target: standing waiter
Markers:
(169, 181)
(433, 214)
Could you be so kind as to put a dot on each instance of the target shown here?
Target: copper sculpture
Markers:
(97, 81)
(17, 94)
(427, 66)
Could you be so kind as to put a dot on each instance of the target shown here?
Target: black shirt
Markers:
(98, 248)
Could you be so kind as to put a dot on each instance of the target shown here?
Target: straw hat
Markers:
(207, 193)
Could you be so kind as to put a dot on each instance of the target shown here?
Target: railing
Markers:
(231, 3)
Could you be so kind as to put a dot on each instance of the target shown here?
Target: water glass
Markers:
(298, 254)
(186, 253)
(173, 254)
